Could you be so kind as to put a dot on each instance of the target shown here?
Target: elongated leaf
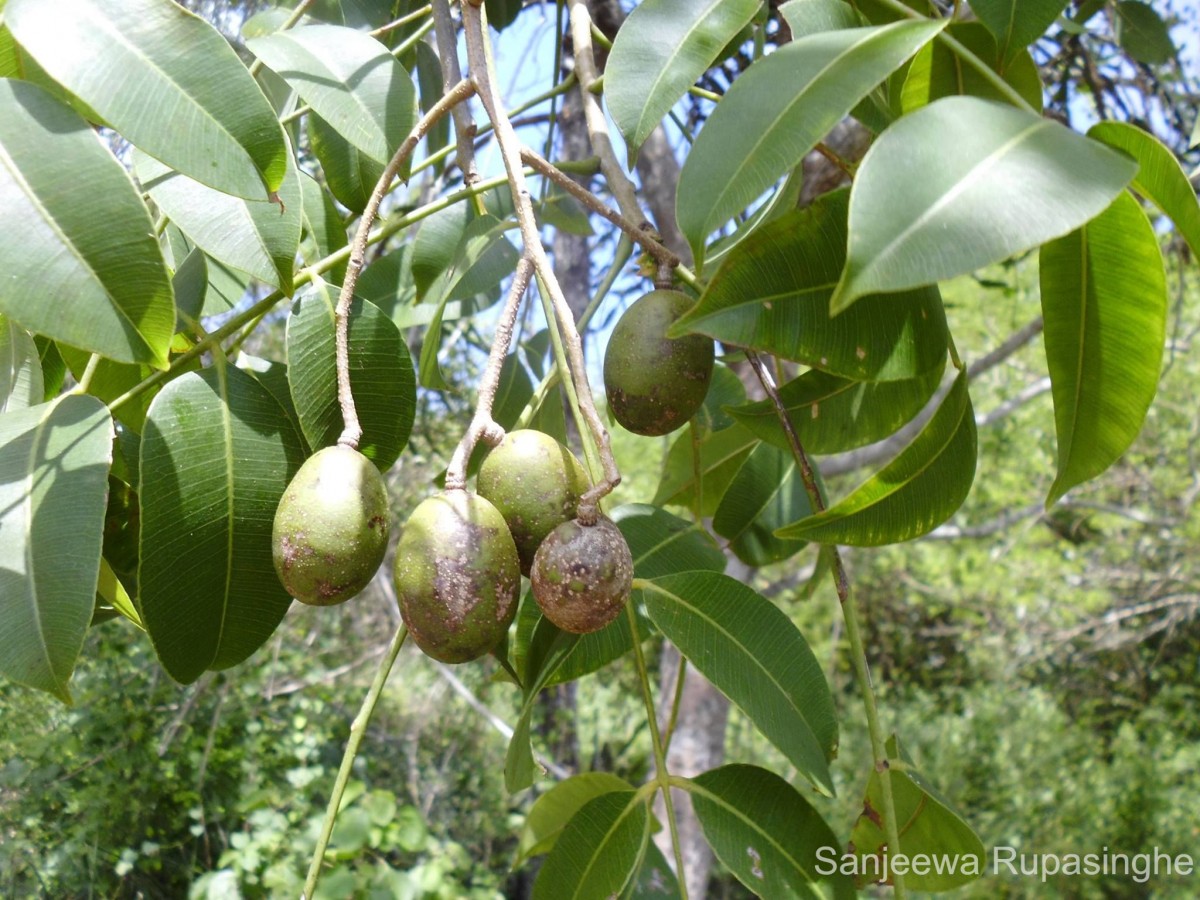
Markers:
(554, 809)
(381, 375)
(1160, 178)
(911, 495)
(321, 224)
(655, 879)
(806, 17)
(255, 236)
(112, 379)
(766, 833)
(1104, 299)
(436, 245)
(660, 51)
(217, 453)
(766, 494)
(21, 383)
(544, 654)
(758, 132)
(79, 259)
(1017, 23)
(772, 293)
(54, 460)
(142, 64)
(54, 370)
(350, 79)
(963, 183)
(721, 456)
(928, 825)
(350, 174)
(833, 415)
(598, 852)
(429, 85)
(937, 71)
(1142, 33)
(756, 657)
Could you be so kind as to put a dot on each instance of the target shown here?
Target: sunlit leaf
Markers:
(937, 71)
(1104, 299)
(21, 383)
(1016, 23)
(217, 453)
(806, 17)
(660, 51)
(144, 63)
(54, 460)
(914, 493)
(963, 183)
(350, 174)
(79, 258)
(755, 656)
(321, 225)
(598, 852)
(758, 132)
(720, 456)
(552, 811)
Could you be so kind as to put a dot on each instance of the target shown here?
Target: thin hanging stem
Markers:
(849, 611)
(352, 430)
(358, 728)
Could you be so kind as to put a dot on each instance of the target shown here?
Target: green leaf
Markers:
(113, 593)
(166, 80)
(756, 657)
(350, 80)
(1142, 33)
(217, 453)
(598, 852)
(54, 370)
(350, 174)
(1016, 23)
(545, 653)
(833, 415)
(112, 379)
(963, 183)
(21, 383)
(381, 375)
(807, 17)
(914, 493)
(322, 224)
(937, 71)
(552, 811)
(387, 282)
(766, 833)
(436, 245)
(255, 236)
(766, 494)
(54, 460)
(190, 283)
(721, 456)
(655, 879)
(660, 51)
(79, 257)
(1160, 178)
(772, 294)
(429, 85)
(273, 376)
(758, 132)
(928, 825)
(1104, 299)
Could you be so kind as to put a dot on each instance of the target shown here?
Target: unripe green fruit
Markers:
(582, 575)
(331, 527)
(536, 484)
(457, 576)
(655, 383)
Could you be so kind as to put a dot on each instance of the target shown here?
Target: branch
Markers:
(510, 152)
(464, 128)
(352, 430)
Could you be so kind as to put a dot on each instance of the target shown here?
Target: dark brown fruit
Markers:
(457, 576)
(536, 484)
(582, 575)
(331, 527)
(655, 383)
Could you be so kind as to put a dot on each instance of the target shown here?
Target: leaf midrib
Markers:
(634, 803)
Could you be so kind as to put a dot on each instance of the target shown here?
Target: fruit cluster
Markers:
(461, 556)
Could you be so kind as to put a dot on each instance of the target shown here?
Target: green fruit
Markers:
(331, 527)
(582, 575)
(536, 484)
(655, 383)
(457, 576)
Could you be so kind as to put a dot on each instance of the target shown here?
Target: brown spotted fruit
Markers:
(654, 383)
(457, 576)
(582, 575)
(536, 484)
(331, 527)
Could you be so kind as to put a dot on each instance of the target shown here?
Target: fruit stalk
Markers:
(352, 429)
(858, 652)
(482, 424)
(478, 58)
